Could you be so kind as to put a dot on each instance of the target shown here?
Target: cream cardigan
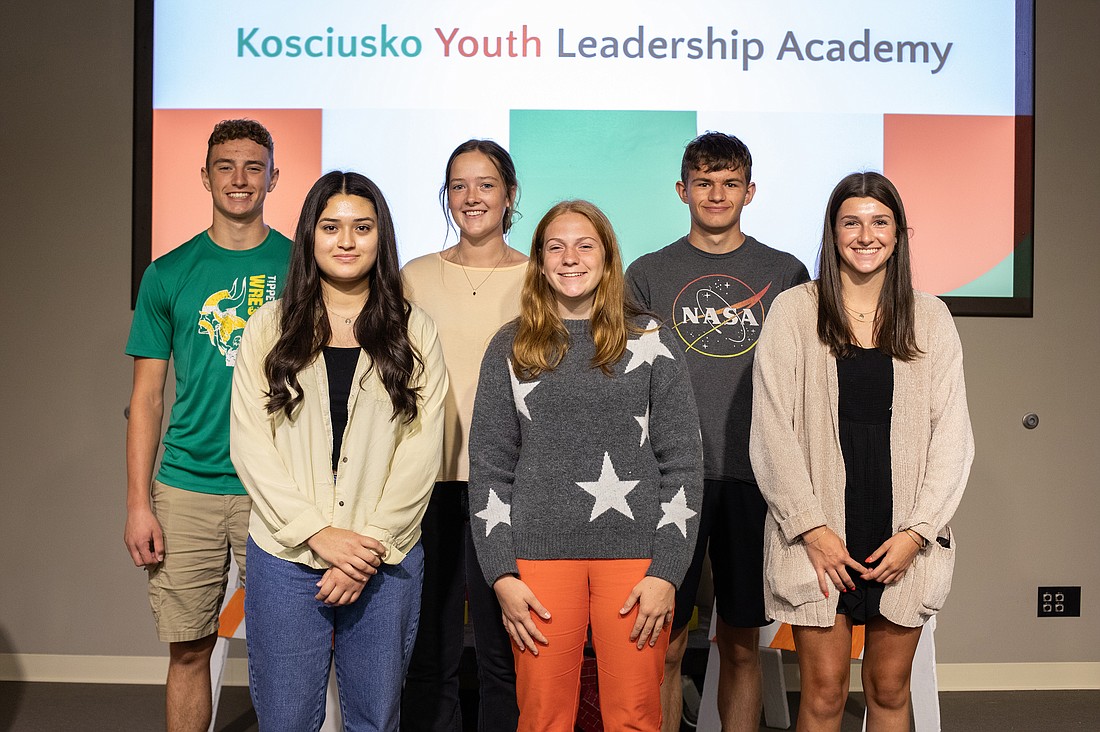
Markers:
(387, 467)
(796, 456)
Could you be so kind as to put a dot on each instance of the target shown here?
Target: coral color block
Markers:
(181, 206)
(956, 176)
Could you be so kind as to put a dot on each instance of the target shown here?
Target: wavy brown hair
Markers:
(381, 328)
(541, 340)
(894, 330)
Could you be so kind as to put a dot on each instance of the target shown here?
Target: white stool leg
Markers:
(774, 690)
(221, 646)
(777, 714)
(708, 704)
(334, 720)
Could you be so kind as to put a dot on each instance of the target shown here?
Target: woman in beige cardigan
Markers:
(861, 444)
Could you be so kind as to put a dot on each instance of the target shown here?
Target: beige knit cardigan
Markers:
(795, 451)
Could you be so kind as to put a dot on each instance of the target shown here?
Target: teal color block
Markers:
(997, 282)
(627, 163)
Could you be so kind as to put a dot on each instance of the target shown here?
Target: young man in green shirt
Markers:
(192, 308)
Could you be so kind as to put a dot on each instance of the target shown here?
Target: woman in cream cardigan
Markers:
(336, 431)
(861, 444)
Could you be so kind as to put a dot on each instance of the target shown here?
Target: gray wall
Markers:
(1030, 516)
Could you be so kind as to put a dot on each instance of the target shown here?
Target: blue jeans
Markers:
(293, 638)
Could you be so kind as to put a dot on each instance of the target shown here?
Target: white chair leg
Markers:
(334, 720)
(777, 714)
(774, 690)
(221, 647)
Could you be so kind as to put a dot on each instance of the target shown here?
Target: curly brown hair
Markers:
(241, 129)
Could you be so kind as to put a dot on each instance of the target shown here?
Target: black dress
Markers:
(866, 382)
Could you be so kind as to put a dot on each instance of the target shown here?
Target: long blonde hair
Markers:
(541, 340)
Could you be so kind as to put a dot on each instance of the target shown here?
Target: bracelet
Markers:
(910, 533)
(819, 535)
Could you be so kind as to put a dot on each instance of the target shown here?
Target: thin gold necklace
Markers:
(859, 315)
(458, 259)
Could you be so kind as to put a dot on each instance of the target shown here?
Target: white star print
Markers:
(609, 491)
(495, 512)
(643, 422)
(676, 512)
(646, 348)
(520, 391)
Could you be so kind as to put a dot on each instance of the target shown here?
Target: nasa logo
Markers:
(718, 316)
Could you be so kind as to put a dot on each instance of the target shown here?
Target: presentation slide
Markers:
(597, 100)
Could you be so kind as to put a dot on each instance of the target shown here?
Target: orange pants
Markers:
(548, 686)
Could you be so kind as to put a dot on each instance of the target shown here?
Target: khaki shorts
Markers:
(186, 589)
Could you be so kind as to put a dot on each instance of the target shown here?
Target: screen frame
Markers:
(1019, 304)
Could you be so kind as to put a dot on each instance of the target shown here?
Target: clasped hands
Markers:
(831, 560)
(354, 559)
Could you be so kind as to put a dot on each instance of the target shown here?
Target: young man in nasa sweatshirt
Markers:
(714, 288)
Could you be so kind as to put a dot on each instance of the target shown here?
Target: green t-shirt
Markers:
(192, 306)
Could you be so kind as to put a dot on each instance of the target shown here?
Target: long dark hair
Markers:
(381, 327)
(894, 333)
(502, 161)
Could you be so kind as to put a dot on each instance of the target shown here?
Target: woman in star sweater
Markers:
(585, 478)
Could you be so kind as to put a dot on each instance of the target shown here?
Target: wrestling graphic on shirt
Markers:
(224, 313)
(718, 316)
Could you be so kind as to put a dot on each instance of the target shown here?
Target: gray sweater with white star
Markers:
(578, 464)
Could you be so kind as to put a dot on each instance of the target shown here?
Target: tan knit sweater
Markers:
(466, 323)
(795, 451)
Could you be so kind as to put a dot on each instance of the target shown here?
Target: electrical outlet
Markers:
(1059, 602)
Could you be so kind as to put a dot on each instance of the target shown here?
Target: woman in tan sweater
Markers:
(470, 290)
(861, 444)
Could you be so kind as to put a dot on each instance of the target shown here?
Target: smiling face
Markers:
(477, 196)
(346, 241)
(573, 263)
(239, 176)
(715, 199)
(866, 235)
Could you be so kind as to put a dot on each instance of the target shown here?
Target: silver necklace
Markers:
(347, 320)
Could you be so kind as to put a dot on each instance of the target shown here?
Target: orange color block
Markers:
(784, 639)
(232, 615)
(181, 206)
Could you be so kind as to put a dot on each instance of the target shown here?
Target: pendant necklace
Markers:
(861, 316)
(347, 320)
(458, 259)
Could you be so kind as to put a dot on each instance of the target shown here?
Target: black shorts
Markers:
(732, 522)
